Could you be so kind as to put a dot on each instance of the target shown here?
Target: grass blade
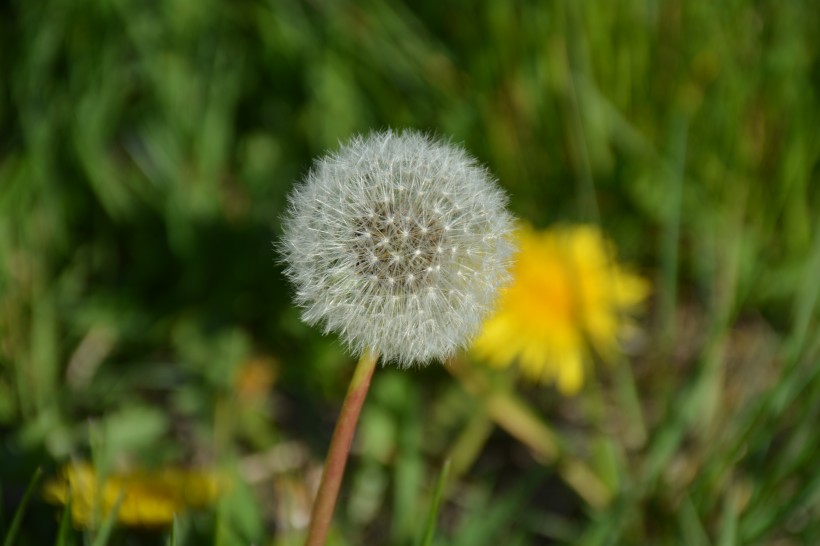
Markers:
(18, 515)
(108, 524)
(63, 533)
(728, 524)
(432, 517)
(172, 536)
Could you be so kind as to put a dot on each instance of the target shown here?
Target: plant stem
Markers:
(334, 469)
(515, 416)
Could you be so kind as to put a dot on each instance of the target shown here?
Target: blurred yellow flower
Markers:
(567, 293)
(254, 378)
(147, 498)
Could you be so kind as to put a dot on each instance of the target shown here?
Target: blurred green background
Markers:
(146, 151)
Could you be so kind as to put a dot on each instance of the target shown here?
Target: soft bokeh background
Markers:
(146, 149)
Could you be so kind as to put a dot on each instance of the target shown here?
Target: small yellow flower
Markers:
(567, 293)
(147, 498)
(254, 378)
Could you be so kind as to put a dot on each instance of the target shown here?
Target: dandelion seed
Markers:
(424, 206)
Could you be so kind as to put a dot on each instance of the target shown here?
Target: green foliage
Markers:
(146, 149)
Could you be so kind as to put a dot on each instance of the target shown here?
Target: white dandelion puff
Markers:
(398, 243)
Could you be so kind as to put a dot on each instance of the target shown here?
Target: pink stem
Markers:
(334, 469)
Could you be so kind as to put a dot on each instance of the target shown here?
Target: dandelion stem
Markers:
(334, 469)
(522, 422)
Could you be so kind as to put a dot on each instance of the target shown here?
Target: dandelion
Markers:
(568, 295)
(145, 498)
(398, 243)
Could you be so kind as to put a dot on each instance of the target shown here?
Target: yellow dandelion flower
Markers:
(567, 293)
(147, 498)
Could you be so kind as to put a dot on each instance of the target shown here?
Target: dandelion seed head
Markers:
(398, 242)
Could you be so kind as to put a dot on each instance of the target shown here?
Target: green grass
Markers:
(146, 150)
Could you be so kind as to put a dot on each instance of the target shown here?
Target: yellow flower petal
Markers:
(568, 293)
(147, 498)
